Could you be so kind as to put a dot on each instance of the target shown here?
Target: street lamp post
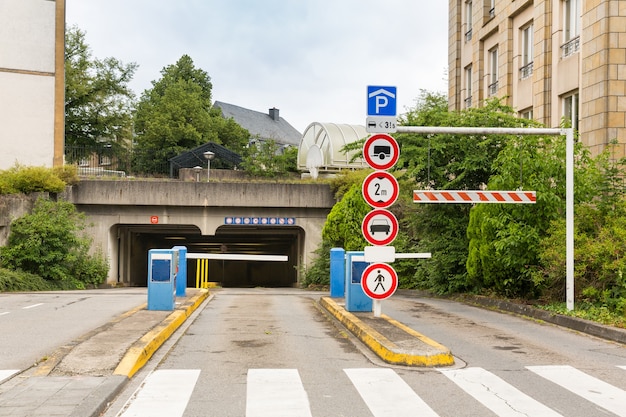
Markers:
(209, 157)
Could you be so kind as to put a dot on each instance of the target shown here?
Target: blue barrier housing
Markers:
(356, 299)
(337, 272)
(181, 276)
(162, 270)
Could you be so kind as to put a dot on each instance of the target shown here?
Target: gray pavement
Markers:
(81, 379)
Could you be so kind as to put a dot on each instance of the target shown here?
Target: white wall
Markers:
(27, 51)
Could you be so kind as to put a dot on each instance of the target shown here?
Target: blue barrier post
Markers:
(337, 272)
(181, 276)
(356, 299)
(162, 266)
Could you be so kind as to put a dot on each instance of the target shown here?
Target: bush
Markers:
(23, 281)
(20, 179)
(49, 243)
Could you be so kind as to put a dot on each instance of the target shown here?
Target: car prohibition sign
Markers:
(379, 227)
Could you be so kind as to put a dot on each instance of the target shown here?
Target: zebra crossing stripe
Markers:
(386, 394)
(164, 393)
(276, 393)
(623, 367)
(6, 373)
(497, 395)
(592, 389)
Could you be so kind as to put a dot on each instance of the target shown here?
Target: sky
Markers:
(312, 59)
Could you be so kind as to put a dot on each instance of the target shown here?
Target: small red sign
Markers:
(154, 219)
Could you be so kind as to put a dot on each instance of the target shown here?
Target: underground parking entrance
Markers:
(134, 241)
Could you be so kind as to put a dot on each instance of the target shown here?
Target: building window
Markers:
(493, 68)
(571, 27)
(526, 70)
(526, 113)
(468, 86)
(468, 20)
(492, 8)
(570, 109)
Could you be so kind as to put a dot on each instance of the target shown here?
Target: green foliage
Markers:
(23, 281)
(67, 173)
(48, 242)
(98, 100)
(343, 224)
(25, 180)
(269, 159)
(453, 162)
(175, 115)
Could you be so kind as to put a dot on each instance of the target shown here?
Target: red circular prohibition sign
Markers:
(375, 192)
(381, 151)
(375, 276)
(380, 227)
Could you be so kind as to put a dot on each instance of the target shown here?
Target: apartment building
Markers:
(550, 59)
(32, 85)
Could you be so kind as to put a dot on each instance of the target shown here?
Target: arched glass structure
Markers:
(321, 148)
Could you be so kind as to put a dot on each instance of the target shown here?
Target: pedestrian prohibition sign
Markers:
(379, 281)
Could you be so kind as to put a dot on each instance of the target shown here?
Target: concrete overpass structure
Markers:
(130, 217)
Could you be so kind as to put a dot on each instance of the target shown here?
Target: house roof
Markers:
(266, 126)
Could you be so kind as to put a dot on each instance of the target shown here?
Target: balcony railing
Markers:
(570, 47)
(493, 88)
(526, 71)
(492, 12)
(468, 102)
(468, 35)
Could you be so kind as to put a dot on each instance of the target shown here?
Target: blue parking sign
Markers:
(381, 101)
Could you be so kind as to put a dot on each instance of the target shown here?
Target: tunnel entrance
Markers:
(134, 241)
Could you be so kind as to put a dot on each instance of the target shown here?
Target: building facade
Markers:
(32, 85)
(552, 60)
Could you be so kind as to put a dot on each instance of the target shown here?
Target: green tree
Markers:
(175, 115)
(49, 243)
(98, 101)
(452, 162)
(269, 159)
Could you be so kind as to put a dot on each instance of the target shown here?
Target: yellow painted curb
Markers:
(142, 350)
(385, 348)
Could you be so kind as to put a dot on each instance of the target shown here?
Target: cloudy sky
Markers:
(312, 59)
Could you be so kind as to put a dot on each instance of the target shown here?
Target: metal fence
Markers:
(107, 161)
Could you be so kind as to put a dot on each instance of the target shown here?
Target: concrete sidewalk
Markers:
(82, 378)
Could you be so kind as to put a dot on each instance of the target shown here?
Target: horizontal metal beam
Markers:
(238, 257)
(482, 130)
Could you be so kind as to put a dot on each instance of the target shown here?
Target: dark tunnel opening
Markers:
(134, 242)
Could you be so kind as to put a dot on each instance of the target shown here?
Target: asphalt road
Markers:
(272, 352)
(34, 325)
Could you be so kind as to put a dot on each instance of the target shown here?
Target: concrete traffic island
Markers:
(389, 339)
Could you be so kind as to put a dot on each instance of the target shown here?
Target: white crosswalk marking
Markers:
(623, 367)
(496, 394)
(386, 394)
(164, 393)
(276, 393)
(592, 389)
(6, 373)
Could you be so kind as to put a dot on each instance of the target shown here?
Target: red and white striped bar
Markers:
(456, 196)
